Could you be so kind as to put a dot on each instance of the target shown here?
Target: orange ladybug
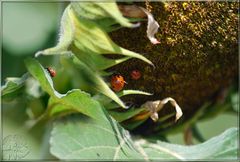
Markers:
(51, 71)
(117, 83)
(136, 74)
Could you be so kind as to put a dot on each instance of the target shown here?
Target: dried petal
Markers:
(155, 106)
(174, 103)
(152, 27)
(154, 116)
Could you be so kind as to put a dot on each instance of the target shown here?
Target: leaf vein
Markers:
(89, 148)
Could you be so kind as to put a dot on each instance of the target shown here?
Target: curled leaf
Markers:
(12, 84)
(155, 106)
(152, 27)
(13, 87)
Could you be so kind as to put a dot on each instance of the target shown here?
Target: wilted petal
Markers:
(174, 103)
(152, 27)
(154, 116)
(155, 106)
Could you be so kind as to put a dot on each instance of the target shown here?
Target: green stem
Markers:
(197, 134)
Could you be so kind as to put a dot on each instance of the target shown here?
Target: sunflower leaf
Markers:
(74, 100)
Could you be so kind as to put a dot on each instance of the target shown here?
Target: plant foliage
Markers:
(86, 125)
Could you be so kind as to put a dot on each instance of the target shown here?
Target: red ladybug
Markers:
(117, 83)
(136, 74)
(51, 71)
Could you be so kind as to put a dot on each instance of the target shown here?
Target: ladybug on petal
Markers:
(117, 83)
(136, 74)
(51, 71)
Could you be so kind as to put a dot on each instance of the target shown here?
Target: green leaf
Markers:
(74, 100)
(108, 24)
(131, 125)
(121, 116)
(66, 36)
(42, 75)
(56, 109)
(95, 61)
(88, 37)
(81, 138)
(13, 87)
(100, 10)
(222, 147)
(133, 92)
(110, 105)
(96, 82)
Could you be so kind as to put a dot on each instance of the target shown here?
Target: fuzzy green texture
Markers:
(197, 56)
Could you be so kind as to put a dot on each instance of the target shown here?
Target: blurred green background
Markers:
(27, 28)
(30, 27)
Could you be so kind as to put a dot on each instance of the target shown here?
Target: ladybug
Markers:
(51, 71)
(117, 83)
(136, 74)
